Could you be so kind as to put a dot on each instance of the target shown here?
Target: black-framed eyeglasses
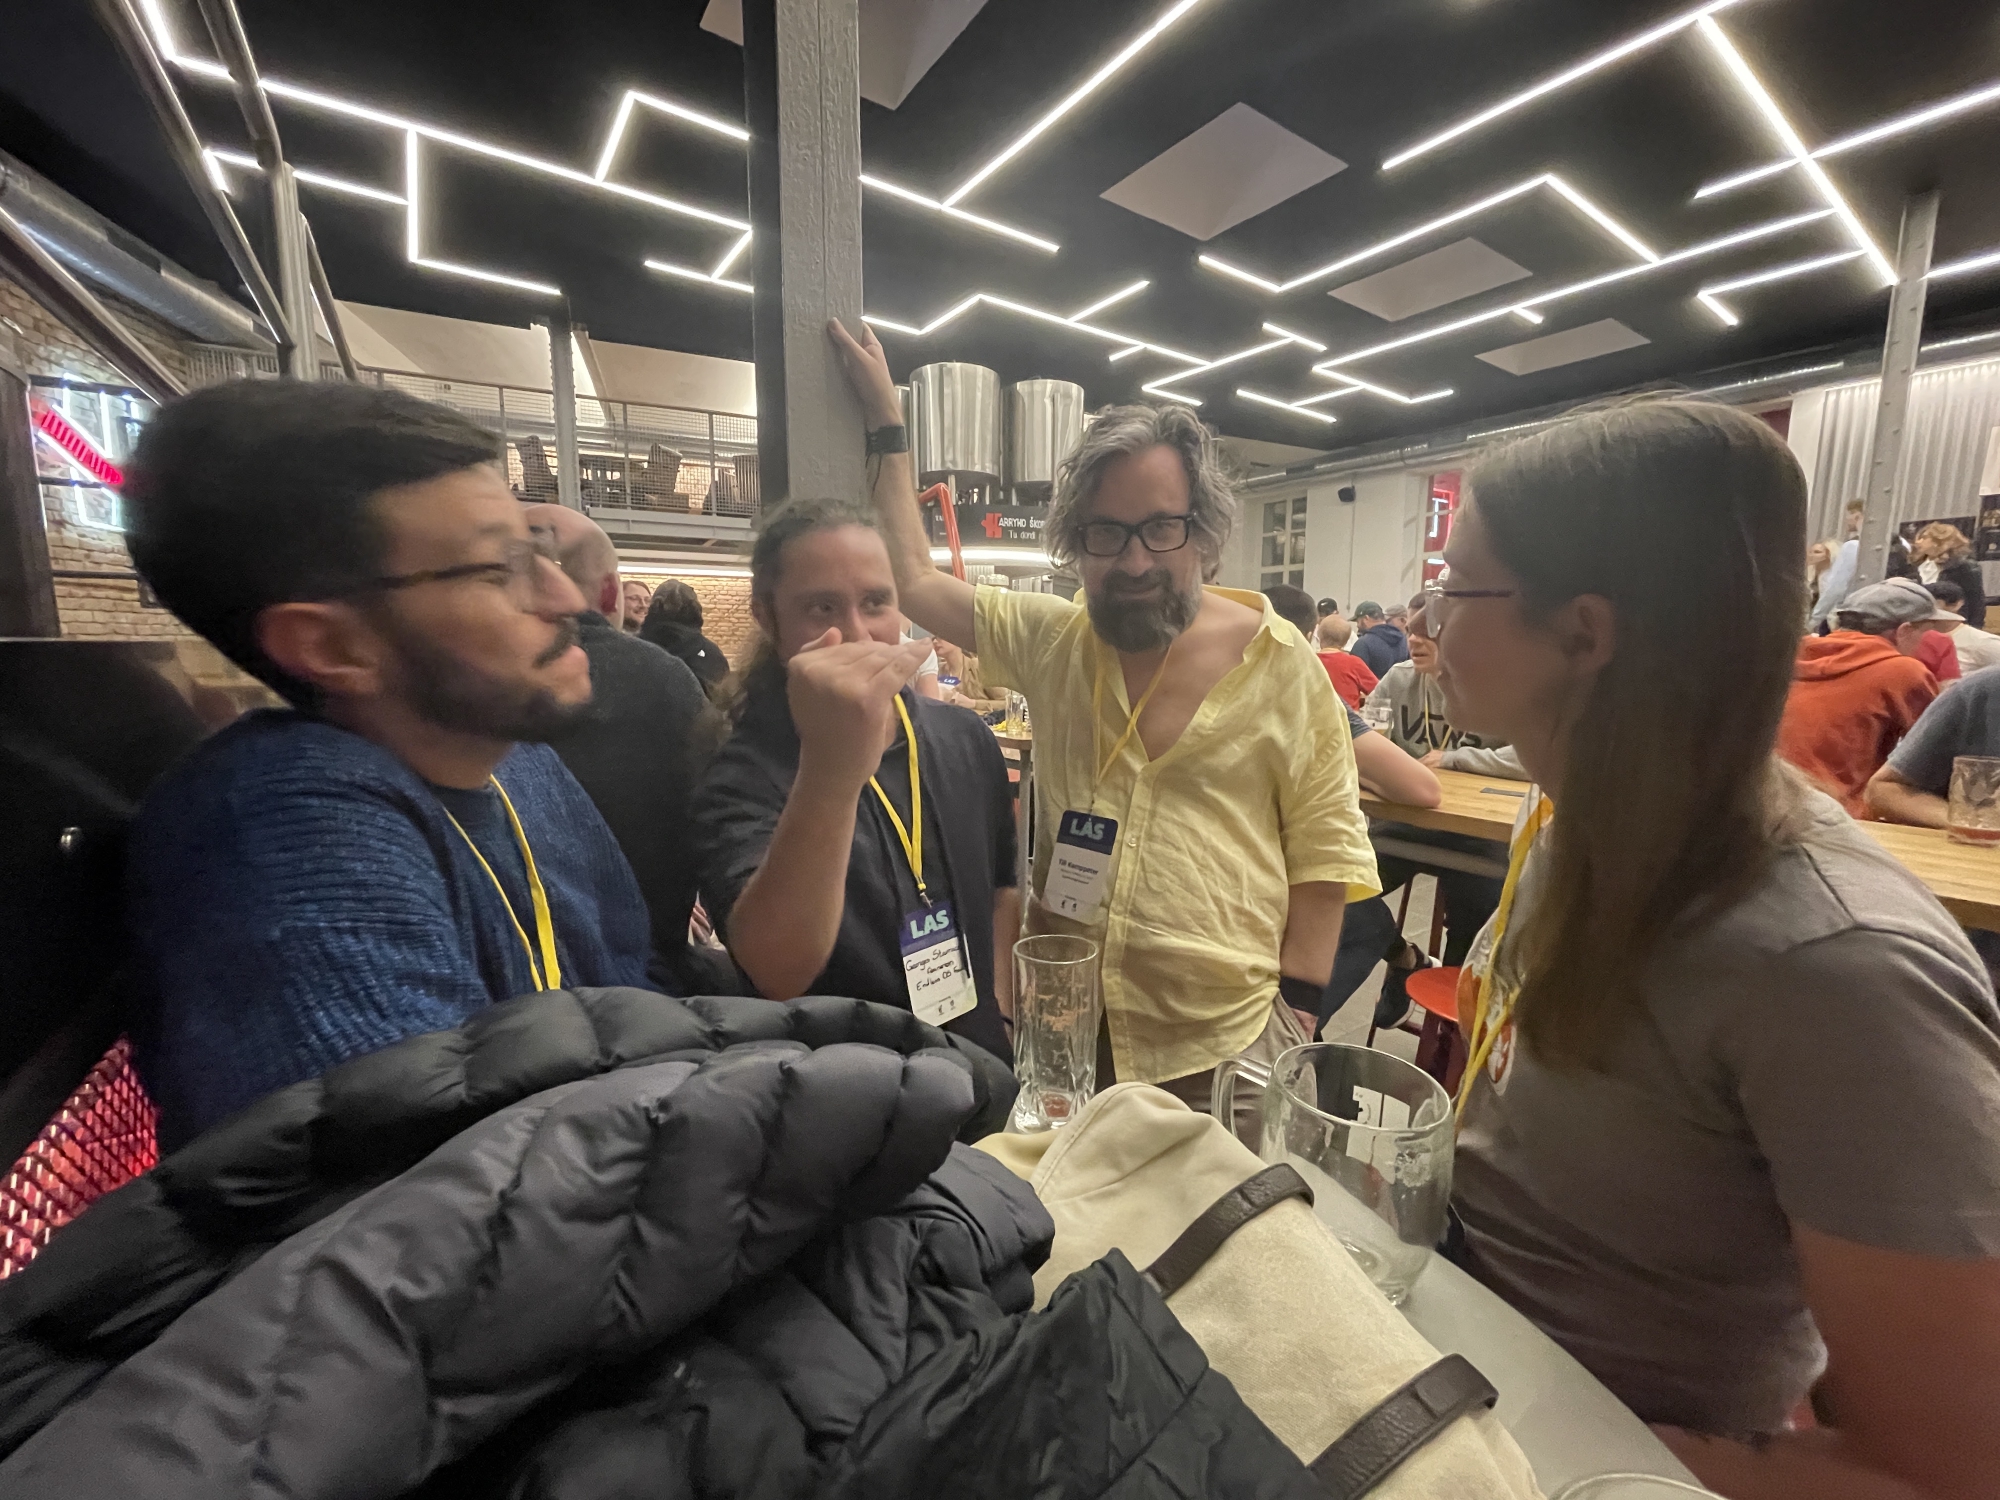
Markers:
(518, 571)
(1155, 534)
(1438, 590)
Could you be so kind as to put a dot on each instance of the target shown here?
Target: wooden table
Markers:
(1965, 878)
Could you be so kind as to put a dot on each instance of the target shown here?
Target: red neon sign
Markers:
(59, 430)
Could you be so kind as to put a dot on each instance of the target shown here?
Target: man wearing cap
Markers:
(1857, 690)
(1378, 640)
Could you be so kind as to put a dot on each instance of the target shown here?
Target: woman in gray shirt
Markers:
(1731, 1130)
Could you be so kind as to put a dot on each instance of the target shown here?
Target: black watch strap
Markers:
(1400, 1424)
(889, 439)
(1220, 1220)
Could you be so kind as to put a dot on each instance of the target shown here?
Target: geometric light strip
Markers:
(1675, 257)
(1781, 127)
(1007, 304)
(1708, 295)
(245, 163)
(1560, 80)
(1302, 411)
(979, 221)
(1983, 261)
(413, 235)
(1070, 101)
(1549, 180)
(1902, 124)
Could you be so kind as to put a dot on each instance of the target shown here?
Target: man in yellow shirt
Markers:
(1207, 839)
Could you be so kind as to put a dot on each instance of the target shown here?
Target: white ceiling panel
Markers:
(1461, 269)
(1232, 169)
(900, 39)
(1605, 336)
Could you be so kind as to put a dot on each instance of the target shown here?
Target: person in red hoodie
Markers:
(1856, 691)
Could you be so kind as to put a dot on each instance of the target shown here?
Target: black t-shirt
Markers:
(969, 844)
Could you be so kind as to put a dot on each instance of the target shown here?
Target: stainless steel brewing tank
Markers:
(1044, 426)
(954, 421)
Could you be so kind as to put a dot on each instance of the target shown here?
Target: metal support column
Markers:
(562, 381)
(294, 268)
(328, 308)
(27, 589)
(23, 258)
(1899, 364)
(802, 102)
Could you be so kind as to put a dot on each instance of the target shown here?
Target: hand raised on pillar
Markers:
(867, 370)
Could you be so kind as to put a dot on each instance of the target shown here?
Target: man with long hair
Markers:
(1196, 782)
(400, 848)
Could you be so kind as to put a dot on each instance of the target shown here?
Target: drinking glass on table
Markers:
(1057, 1009)
(1379, 717)
(1372, 1136)
(1972, 812)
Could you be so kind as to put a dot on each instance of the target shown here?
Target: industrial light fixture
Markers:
(1111, 301)
(1675, 257)
(1325, 396)
(1298, 411)
(1562, 80)
(1030, 555)
(1767, 106)
(1965, 267)
(314, 179)
(1382, 390)
(1736, 385)
(690, 273)
(896, 190)
(1970, 338)
(1126, 353)
(518, 283)
(1131, 344)
(1707, 295)
(1903, 124)
(666, 107)
(1075, 97)
(1549, 180)
(1526, 314)
(1298, 338)
(735, 252)
(413, 236)
(1154, 388)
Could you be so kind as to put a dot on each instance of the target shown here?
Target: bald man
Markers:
(639, 751)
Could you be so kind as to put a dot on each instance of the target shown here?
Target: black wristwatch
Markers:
(894, 439)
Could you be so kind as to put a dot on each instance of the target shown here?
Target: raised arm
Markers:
(935, 599)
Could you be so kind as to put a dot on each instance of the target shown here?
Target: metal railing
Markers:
(630, 454)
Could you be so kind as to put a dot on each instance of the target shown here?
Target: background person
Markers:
(1217, 905)
(639, 750)
(375, 861)
(636, 595)
(673, 623)
(1350, 675)
(1738, 1121)
(1420, 723)
(1839, 577)
(1377, 640)
(1329, 609)
(1941, 553)
(1819, 557)
(1858, 690)
(1976, 648)
(818, 843)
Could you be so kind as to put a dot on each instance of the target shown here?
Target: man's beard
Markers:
(1138, 625)
(451, 695)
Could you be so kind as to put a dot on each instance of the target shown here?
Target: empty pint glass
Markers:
(1057, 1010)
(1372, 1136)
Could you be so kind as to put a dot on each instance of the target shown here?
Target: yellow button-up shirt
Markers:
(1259, 794)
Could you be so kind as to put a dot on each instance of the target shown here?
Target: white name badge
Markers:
(1079, 866)
(940, 985)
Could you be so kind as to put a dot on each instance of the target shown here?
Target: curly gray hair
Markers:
(1121, 431)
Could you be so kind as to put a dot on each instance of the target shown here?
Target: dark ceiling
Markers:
(1359, 79)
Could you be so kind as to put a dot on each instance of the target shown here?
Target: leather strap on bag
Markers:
(1219, 1221)
(1401, 1423)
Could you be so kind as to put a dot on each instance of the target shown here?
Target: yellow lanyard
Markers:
(913, 836)
(1489, 1021)
(548, 974)
(1131, 723)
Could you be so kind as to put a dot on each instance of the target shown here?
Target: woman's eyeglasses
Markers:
(1155, 534)
(1439, 590)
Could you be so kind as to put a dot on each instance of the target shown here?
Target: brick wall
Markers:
(725, 609)
(79, 536)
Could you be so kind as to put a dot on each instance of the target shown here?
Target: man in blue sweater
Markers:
(398, 849)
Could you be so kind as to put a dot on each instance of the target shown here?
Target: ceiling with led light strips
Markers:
(1416, 214)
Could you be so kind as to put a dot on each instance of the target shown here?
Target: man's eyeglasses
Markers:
(1439, 590)
(518, 571)
(1155, 534)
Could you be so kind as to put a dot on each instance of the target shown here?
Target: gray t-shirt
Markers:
(1963, 720)
(1825, 1052)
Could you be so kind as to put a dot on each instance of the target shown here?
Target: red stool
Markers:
(1440, 1044)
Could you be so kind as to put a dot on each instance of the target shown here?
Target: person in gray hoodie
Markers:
(1409, 691)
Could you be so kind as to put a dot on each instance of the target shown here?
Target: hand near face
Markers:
(840, 695)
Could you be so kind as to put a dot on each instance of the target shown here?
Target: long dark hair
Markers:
(780, 528)
(1690, 519)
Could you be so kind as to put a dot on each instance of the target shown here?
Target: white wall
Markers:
(1369, 549)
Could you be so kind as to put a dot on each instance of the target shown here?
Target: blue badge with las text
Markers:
(1088, 831)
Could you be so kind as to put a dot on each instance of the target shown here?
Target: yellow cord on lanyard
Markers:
(1489, 1020)
(548, 974)
(913, 836)
(1131, 723)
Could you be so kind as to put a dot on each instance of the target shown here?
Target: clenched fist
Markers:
(841, 695)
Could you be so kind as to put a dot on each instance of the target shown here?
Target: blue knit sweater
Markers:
(298, 897)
